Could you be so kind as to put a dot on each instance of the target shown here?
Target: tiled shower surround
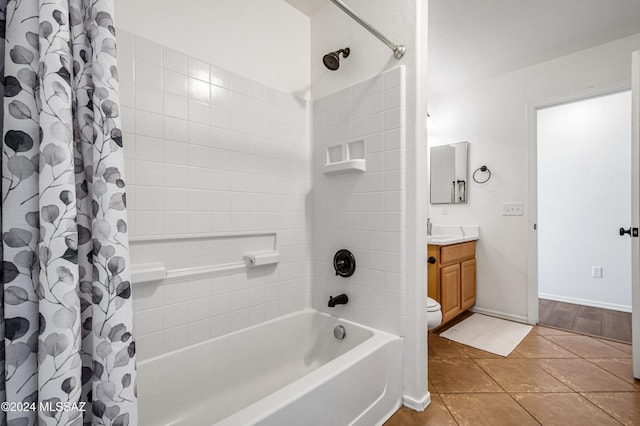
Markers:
(208, 150)
(211, 153)
(364, 212)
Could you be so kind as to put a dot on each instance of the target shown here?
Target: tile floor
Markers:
(553, 377)
(596, 322)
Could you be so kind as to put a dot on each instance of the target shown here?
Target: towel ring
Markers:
(482, 169)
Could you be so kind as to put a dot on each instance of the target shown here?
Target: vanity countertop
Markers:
(445, 240)
(444, 235)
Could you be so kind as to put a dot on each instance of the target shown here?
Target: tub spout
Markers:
(341, 299)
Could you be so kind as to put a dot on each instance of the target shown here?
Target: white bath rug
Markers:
(490, 334)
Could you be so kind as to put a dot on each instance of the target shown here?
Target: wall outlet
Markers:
(444, 210)
(596, 271)
(512, 208)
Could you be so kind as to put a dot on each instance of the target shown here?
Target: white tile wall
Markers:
(208, 151)
(362, 212)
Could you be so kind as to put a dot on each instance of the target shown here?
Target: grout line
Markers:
(599, 408)
(524, 408)
(489, 375)
(580, 356)
(574, 391)
(581, 333)
(448, 409)
(551, 373)
(559, 345)
(584, 359)
(610, 372)
(608, 340)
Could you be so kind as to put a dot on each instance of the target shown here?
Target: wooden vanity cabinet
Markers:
(467, 283)
(452, 277)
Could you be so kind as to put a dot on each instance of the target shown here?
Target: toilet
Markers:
(434, 314)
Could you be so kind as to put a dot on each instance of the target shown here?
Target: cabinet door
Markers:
(468, 283)
(433, 273)
(450, 291)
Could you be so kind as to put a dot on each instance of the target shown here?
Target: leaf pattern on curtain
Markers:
(66, 313)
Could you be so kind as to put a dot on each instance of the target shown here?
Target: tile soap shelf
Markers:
(347, 157)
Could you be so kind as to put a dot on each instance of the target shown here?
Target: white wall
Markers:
(264, 40)
(404, 22)
(584, 196)
(493, 115)
(210, 154)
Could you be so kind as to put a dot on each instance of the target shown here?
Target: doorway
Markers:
(583, 198)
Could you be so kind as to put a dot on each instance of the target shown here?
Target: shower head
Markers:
(332, 60)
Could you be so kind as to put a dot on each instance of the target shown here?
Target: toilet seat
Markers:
(432, 305)
(434, 314)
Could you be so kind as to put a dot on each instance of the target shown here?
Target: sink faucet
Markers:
(341, 299)
(429, 226)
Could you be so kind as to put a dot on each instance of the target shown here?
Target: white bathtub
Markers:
(288, 371)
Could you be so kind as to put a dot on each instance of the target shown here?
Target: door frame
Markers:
(532, 180)
(635, 211)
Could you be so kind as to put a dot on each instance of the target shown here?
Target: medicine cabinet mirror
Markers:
(449, 173)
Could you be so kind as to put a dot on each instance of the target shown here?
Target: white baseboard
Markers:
(586, 302)
(415, 405)
(497, 314)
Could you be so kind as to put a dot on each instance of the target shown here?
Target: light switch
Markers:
(512, 208)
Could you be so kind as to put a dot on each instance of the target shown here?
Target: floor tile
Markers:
(536, 346)
(435, 414)
(621, 367)
(545, 307)
(460, 375)
(439, 347)
(585, 320)
(542, 377)
(587, 347)
(487, 409)
(624, 347)
(616, 325)
(588, 320)
(582, 376)
(515, 355)
(624, 406)
(521, 375)
(563, 409)
(562, 314)
(476, 353)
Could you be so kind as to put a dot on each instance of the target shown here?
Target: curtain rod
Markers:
(398, 49)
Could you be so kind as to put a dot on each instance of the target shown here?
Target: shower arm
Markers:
(398, 49)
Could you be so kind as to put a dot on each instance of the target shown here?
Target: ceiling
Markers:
(308, 7)
(470, 40)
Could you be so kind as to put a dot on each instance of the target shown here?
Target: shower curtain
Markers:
(67, 353)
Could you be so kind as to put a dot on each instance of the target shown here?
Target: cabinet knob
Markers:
(431, 260)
